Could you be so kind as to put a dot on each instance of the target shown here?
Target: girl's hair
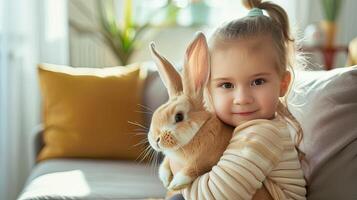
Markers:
(275, 25)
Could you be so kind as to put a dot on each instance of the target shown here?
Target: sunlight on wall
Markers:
(220, 10)
(1, 17)
(300, 12)
(54, 19)
(54, 32)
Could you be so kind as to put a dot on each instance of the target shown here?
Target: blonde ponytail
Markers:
(249, 4)
(279, 16)
(275, 12)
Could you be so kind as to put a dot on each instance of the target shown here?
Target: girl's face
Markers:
(244, 82)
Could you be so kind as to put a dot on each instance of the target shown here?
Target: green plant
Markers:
(331, 9)
(122, 36)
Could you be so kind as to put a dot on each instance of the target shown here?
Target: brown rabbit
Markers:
(182, 128)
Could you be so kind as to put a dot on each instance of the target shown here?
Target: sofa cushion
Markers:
(87, 111)
(90, 179)
(325, 104)
(155, 93)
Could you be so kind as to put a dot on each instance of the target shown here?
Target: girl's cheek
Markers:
(217, 100)
(222, 103)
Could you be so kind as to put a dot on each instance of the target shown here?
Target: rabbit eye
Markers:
(178, 117)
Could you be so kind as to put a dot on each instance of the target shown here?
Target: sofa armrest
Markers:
(36, 141)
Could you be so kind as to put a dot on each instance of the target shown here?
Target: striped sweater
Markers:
(260, 152)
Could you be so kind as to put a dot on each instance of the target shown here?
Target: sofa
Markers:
(324, 102)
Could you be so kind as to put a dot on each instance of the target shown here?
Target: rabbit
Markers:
(183, 129)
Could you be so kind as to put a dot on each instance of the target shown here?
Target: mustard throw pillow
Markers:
(87, 111)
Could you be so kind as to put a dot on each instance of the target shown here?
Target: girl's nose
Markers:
(242, 96)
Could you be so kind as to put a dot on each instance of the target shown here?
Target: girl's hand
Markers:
(175, 167)
(260, 194)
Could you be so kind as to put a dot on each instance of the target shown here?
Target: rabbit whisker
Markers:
(144, 154)
(141, 133)
(144, 141)
(139, 111)
(146, 107)
(137, 124)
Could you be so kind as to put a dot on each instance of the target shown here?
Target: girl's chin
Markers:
(239, 120)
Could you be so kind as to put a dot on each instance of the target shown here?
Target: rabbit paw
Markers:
(180, 181)
(165, 175)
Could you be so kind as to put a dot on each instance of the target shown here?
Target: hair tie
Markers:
(255, 12)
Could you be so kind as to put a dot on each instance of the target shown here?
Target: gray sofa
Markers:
(97, 179)
(325, 103)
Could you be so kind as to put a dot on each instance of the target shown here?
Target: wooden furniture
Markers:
(329, 53)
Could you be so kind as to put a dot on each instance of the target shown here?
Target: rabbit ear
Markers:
(169, 75)
(196, 66)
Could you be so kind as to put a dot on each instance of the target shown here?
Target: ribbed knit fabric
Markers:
(260, 152)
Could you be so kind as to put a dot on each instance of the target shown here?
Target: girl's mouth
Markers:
(244, 113)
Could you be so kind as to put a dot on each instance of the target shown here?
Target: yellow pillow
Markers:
(87, 111)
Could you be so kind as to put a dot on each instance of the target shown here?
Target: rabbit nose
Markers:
(158, 140)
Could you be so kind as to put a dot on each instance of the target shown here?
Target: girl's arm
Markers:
(254, 150)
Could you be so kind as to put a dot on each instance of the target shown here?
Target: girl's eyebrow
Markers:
(221, 79)
(254, 75)
(261, 74)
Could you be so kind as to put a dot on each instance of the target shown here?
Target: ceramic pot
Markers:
(330, 29)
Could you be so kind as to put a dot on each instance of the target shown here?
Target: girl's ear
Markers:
(196, 66)
(284, 84)
(169, 75)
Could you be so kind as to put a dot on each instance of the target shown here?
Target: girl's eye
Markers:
(258, 81)
(178, 117)
(227, 85)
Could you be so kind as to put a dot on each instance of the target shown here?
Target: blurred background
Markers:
(103, 33)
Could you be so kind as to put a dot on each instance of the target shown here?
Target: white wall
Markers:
(3, 101)
(172, 42)
(32, 32)
(19, 97)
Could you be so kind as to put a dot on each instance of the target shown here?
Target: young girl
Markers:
(250, 58)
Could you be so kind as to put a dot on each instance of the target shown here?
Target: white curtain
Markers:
(31, 32)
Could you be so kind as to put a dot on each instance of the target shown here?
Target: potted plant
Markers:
(122, 36)
(331, 10)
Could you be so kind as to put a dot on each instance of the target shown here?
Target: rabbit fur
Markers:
(182, 128)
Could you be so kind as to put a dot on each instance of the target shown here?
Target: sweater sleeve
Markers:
(254, 150)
